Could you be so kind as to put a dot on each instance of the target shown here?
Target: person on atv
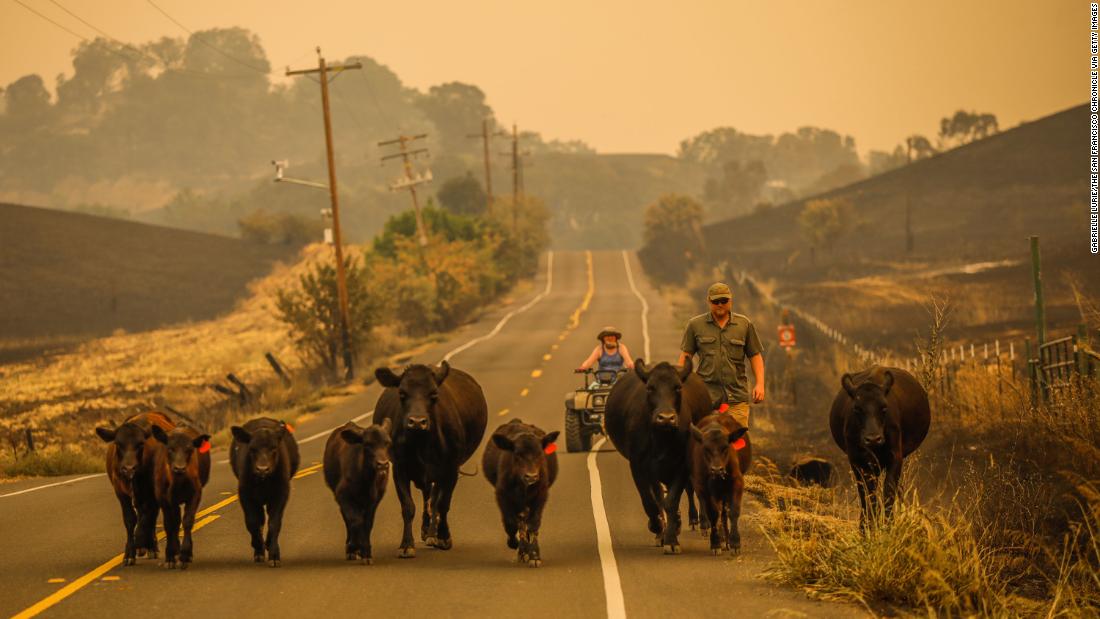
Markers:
(611, 354)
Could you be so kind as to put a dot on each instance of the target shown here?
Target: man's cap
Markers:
(718, 290)
(609, 330)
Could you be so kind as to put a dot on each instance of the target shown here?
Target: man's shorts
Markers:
(740, 412)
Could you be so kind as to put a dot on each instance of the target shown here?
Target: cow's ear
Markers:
(887, 382)
(696, 433)
(386, 425)
(351, 435)
(440, 373)
(160, 435)
(240, 434)
(386, 377)
(503, 442)
(106, 434)
(685, 371)
(640, 369)
(849, 386)
(199, 440)
(550, 438)
(738, 433)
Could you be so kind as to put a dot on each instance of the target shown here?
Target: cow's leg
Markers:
(534, 523)
(443, 540)
(365, 552)
(670, 539)
(649, 502)
(408, 511)
(693, 513)
(172, 532)
(712, 511)
(187, 549)
(891, 485)
(275, 511)
(429, 530)
(353, 523)
(146, 533)
(426, 516)
(733, 508)
(508, 517)
(129, 522)
(254, 522)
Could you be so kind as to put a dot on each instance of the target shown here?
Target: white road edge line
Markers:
(645, 306)
(508, 316)
(447, 357)
(59, 483)
(612, 586)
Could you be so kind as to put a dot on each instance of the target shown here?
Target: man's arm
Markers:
(757, 361)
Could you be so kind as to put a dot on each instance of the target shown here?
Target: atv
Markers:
(584, 407)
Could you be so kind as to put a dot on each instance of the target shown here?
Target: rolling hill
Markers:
(65, 274)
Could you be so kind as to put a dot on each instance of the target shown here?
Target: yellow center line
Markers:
(547, 356)
(575, 319)
(503, 412)
(523, 394)
(88, 578)
(54, 581)
(114, 562)
(110, 578)
(536, 373)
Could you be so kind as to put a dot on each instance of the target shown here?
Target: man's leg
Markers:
(740, 412)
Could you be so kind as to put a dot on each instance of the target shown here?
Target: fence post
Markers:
(1032, 386)
(30, 441)
(1080, 342)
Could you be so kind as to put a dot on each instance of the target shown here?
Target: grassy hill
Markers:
(978, 201)
(66, 274)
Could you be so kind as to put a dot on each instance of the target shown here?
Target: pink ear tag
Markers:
(739, 444)
(205, 447)
(549, 449)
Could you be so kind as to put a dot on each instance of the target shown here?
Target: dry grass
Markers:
(62, 396)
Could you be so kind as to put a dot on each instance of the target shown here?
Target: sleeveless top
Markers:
(611, 362)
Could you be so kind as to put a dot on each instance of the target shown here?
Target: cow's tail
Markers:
(464, 473)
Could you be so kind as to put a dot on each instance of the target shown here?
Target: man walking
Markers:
(723, 340)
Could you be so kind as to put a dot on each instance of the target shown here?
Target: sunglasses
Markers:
(721, 301)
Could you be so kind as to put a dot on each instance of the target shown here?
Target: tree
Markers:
(455, 109)
(672, 237)
(880, 161)
(262, 226)
(462, 195)
(824, 221)
(965, 127)
(922, 147)
(312, 312)
(738, 187)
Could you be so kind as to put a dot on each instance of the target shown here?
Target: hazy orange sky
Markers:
(639, 76)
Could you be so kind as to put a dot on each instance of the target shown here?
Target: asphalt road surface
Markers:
(60, 544)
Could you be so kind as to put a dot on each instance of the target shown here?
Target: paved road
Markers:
(522, 355)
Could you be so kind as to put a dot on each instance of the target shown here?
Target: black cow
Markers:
(648, 416)
(182, 470)
(521, 463)
(720, 455)
(131, 453)
(357, 467)
(879, 416)
(438, 418)
(264, 457)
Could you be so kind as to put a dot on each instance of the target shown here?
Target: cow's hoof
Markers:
(169, 564)
(406, 553)
(716, 551)
(184, 564)
(534, 563)
(274, 563)
(513, 543)
(366, 561)
(351, 556)
(658, 540)
(128, 561)
(140, 552)
(153, 554)
(672, 549)
(258, 557)
(443, 544)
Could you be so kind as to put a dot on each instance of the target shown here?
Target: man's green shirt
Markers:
(722, 354)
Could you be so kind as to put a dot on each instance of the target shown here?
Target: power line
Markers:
(210, 45)
(79, 36)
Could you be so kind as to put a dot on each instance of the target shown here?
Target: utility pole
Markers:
(517, 176)
(341, 281)
(410, 180)
(485, 135)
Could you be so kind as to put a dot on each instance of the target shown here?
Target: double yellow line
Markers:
(203, 518)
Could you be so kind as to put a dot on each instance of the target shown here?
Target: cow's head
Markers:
(871, 412)
(180, 446)
(663, 384)
(418, 389)
(263, 446)
(129, 441)
(528, 454)
(375, 440)
(717, 443)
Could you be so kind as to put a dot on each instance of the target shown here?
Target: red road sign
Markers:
(786, 336)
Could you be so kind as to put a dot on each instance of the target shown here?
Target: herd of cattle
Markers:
(430, 420)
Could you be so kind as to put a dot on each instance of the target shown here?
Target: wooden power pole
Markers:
(908, 197)
(337, 243)
(410, 180)
(485, 135)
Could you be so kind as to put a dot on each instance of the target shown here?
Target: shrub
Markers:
(262, 226)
